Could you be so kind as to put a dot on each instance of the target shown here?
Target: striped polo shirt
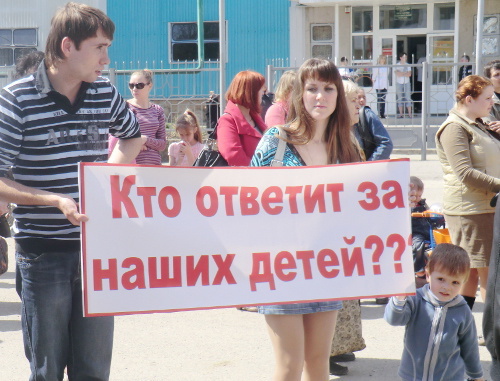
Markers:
(43, 137)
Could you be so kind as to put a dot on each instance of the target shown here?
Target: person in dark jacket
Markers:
(464, 70)
(370, 132)
(491, 315)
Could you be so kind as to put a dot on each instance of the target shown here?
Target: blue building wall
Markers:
(256, 30)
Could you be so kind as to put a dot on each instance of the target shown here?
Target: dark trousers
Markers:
(381, 95)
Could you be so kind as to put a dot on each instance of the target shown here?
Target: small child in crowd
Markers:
(420, 229)
(421, 232)
(185, 152)
(440, 339)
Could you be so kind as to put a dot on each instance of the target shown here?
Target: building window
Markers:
(403, 16)
(491, 35)
(184, 41)
(442, 52)
(362, 47)
(362, 19)
(15, 43)
(444, 16)
(322, 41)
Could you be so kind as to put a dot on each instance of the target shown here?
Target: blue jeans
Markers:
(55, 332)
(403, 92)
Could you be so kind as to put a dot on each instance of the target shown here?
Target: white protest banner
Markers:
(170, 238)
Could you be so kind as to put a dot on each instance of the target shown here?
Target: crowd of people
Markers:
(325, 120)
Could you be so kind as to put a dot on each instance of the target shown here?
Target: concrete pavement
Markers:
(218, 345)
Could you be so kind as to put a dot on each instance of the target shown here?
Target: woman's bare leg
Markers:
(287, 337)
(319, 328)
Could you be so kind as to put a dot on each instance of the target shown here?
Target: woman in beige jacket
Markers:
(470, 155)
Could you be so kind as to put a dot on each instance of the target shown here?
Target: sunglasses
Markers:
(138, 86)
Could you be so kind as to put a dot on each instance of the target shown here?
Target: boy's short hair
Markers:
(419, 184)
(449, 258)
(492, 65)
(78, 22)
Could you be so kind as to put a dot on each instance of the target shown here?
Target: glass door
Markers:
(388, 45)
(441, 52)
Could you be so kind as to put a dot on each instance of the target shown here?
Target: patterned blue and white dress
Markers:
(264, 154)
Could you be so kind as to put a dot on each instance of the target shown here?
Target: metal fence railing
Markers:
(433, 87)
(181, 86)
(176, 86)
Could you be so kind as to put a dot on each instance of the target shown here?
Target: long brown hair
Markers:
(285, 86)
(338, 135)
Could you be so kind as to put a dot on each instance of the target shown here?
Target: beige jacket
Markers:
(471, 176)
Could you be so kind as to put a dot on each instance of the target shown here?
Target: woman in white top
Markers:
(380, 79)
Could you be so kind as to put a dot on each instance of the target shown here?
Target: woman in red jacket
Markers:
(241, 126)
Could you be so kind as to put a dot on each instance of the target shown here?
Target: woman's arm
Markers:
(159, 143)
(455, 141)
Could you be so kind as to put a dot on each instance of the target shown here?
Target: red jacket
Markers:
(236, 138)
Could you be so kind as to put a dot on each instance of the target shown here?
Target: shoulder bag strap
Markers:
(213, 134)
(280, 151)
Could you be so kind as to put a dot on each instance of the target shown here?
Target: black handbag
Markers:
(4, 226)
(210, 155)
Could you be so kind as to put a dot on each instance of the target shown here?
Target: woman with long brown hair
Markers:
(319, 134)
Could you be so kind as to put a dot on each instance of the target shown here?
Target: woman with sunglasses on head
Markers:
(150, 116)
(241, 126)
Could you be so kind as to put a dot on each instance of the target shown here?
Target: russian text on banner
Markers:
(171, 238)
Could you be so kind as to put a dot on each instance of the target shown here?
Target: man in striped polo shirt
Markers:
(49, 122)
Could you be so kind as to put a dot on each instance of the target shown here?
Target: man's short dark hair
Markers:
(78, 22)
(492, 65)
